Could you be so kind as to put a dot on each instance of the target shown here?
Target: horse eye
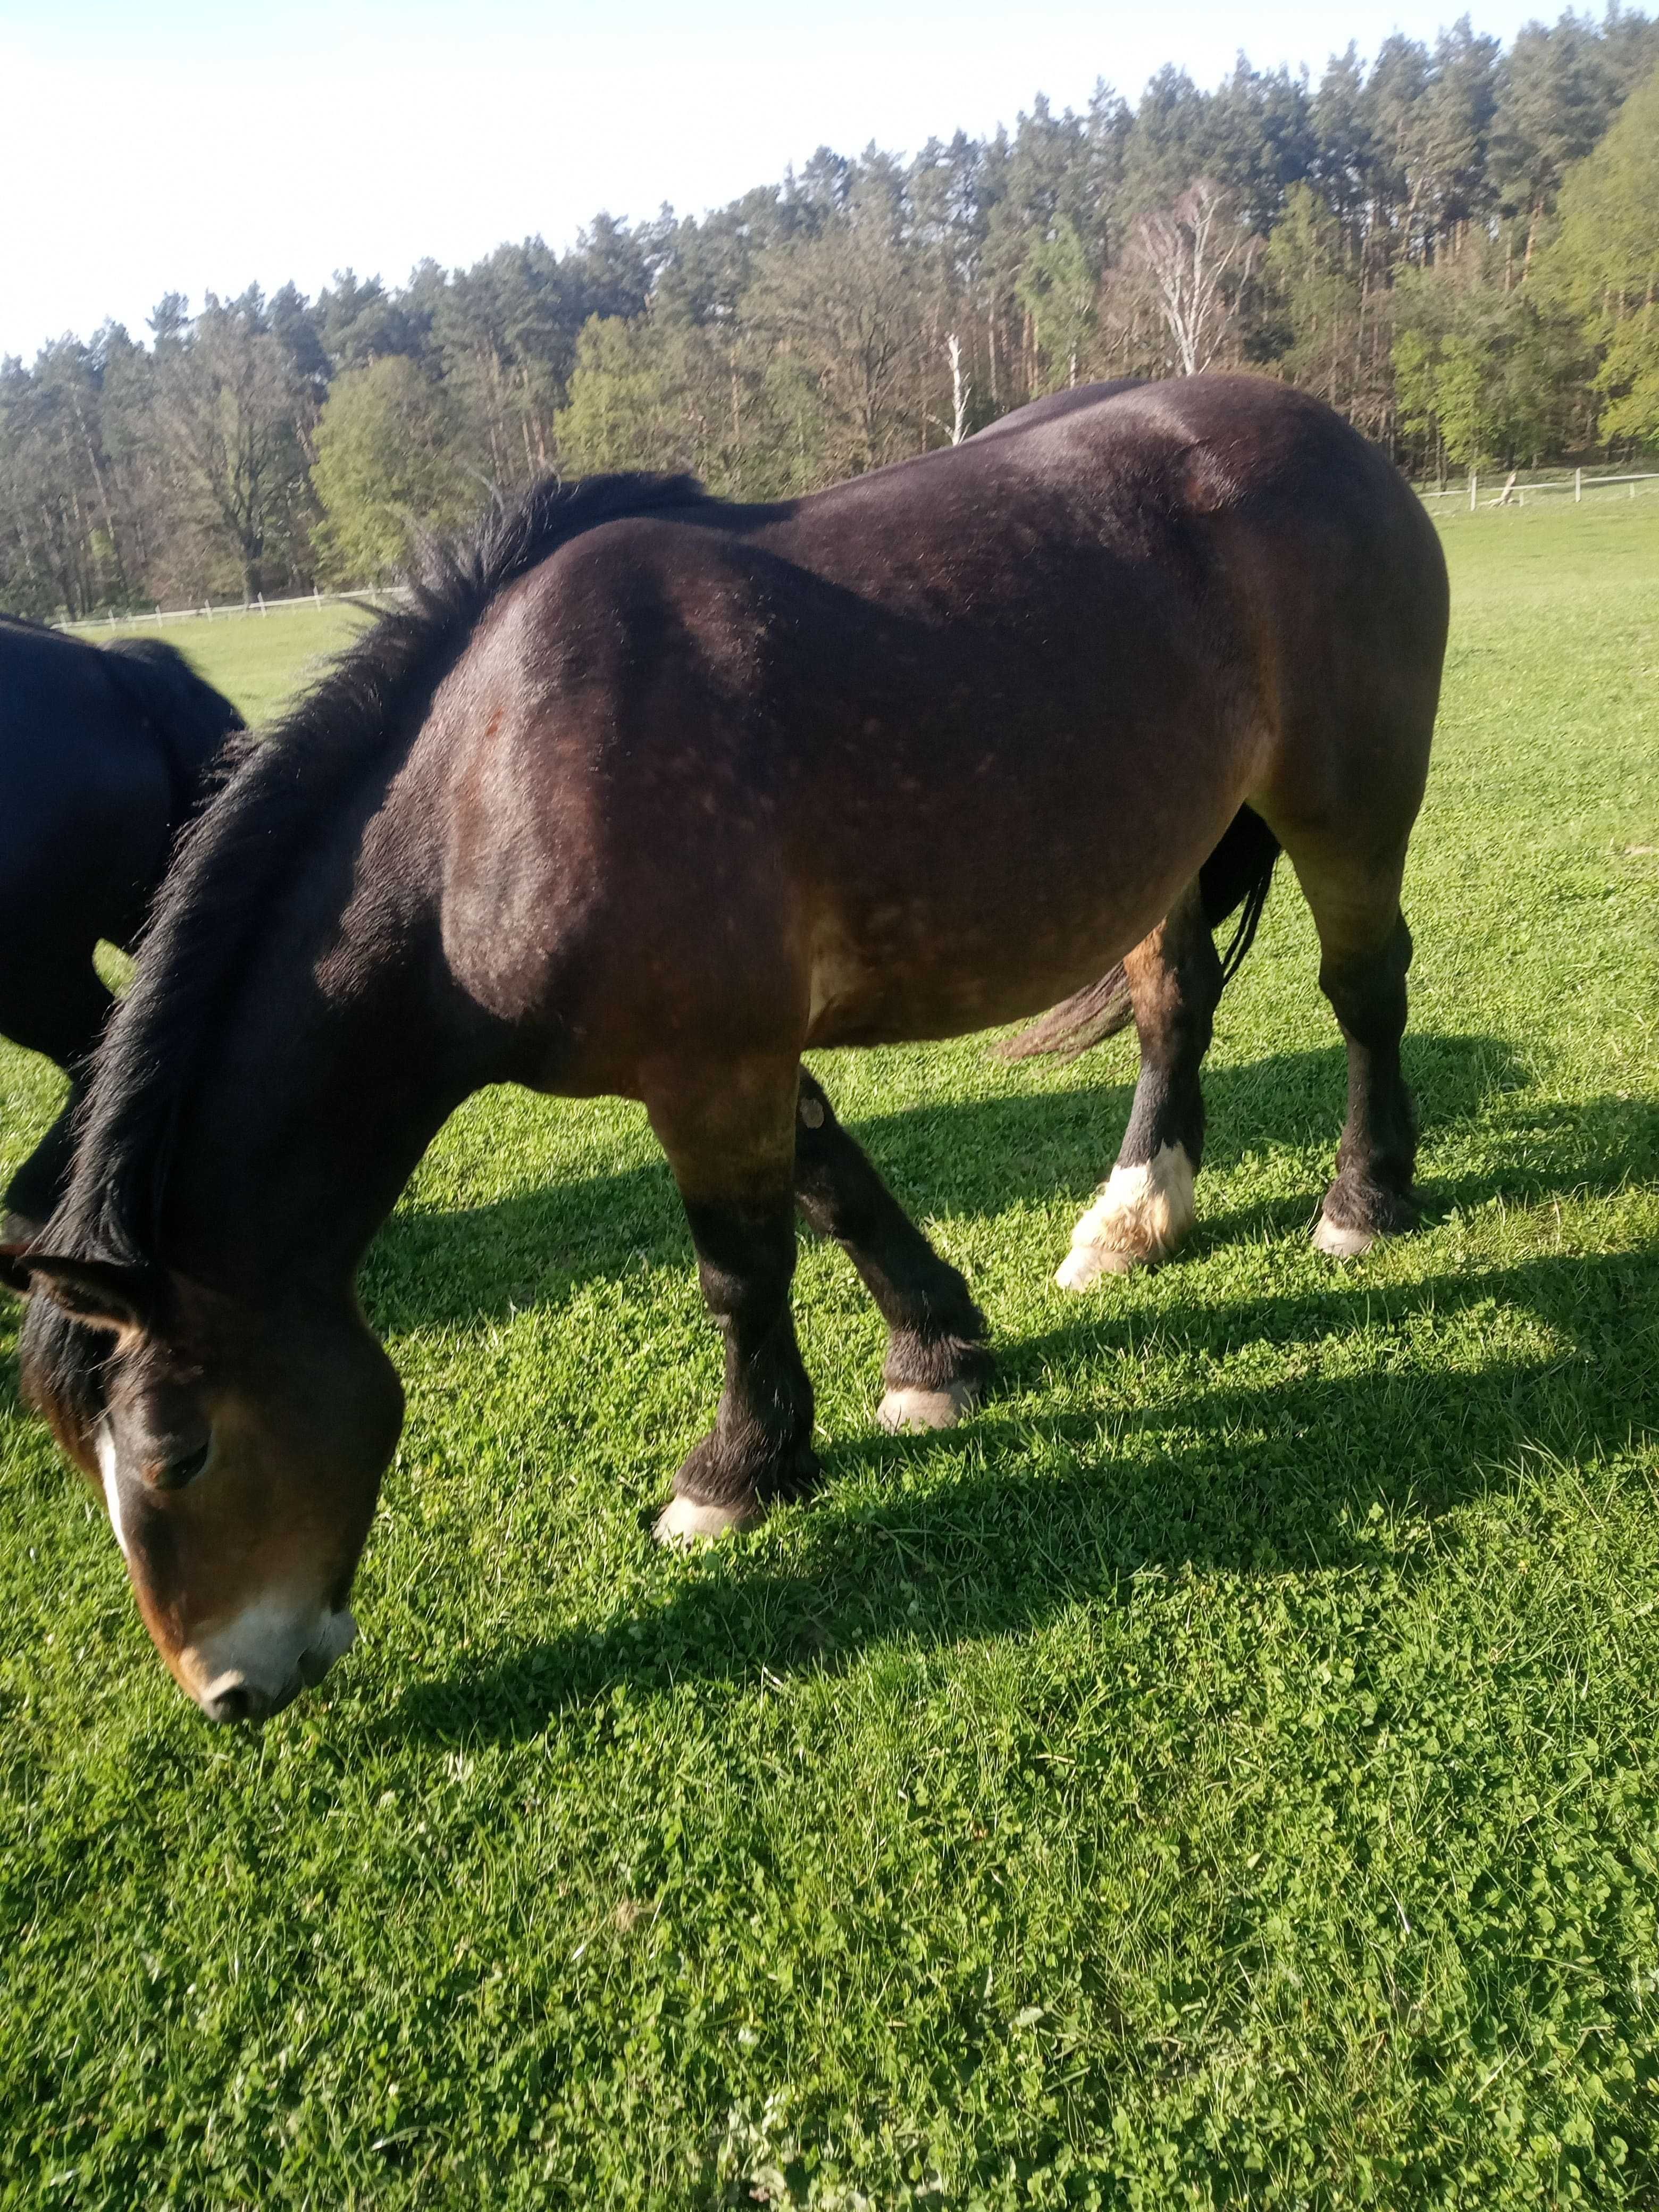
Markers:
(179, 1472)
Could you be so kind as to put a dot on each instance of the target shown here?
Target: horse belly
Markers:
(932, 960)
(982, 837)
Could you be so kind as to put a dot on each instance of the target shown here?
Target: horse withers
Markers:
(646, 794)
(105, 752)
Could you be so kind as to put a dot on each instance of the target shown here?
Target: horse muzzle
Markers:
(245, 1673)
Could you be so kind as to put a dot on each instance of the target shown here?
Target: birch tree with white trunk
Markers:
(960, 390)
(1193, 257)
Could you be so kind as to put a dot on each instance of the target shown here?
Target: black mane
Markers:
(243, 847)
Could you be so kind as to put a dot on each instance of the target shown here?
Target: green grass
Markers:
(1226, 1771)
(257, 661)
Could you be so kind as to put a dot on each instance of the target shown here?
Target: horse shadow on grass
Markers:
(981, 1157)
(993, 1529)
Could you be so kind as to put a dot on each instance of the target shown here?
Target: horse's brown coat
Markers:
(707, 786)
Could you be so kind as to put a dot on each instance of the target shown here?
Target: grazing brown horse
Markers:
(649, 793)
(104, 753)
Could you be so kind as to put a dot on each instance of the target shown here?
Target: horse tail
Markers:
(1089, 1016)
(1236, 876)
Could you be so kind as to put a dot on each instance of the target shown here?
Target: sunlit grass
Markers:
(1224, 1771)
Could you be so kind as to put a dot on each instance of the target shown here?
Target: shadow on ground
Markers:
(981, 1157)
(1012, 1518)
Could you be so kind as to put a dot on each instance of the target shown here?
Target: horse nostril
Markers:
(237, 1701)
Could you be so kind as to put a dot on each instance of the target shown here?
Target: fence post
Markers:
(1472, 481)
(262, 603)
(1577, 486)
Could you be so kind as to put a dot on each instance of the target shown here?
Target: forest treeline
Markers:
(1458, 246)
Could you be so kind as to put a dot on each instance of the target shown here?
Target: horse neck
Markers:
(185, 718)
(347, 1046)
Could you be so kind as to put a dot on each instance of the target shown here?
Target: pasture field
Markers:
(1226, 1771)
(257, 661)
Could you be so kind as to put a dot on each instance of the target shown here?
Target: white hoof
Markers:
(1085, 1264)
(926, 1409)
(1342, 1243)
(685, 1521)
(1139, 1217)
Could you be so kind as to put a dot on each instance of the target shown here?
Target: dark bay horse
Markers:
(104, 754)
(647, 795)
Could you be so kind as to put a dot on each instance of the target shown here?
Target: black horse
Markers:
(104, 754)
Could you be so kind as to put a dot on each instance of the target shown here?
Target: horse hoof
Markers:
(684, 1521)
(1330, 1236)
(1085, 1264)
(926, 1409)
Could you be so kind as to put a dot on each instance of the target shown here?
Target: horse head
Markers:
(239, 1450)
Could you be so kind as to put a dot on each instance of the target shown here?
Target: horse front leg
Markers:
(937, 1361)
(730, 1140)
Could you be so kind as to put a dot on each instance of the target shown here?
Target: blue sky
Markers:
(183, 146)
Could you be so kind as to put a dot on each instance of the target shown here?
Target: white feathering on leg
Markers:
(1140, 1217)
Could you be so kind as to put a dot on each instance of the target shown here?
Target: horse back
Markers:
(928, 750)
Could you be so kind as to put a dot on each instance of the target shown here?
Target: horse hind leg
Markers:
(1142, 1214)
(1366, 949)
(937, 1361)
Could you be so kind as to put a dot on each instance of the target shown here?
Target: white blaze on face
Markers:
(271, 1646)
(278, 1642)
(112, 1485)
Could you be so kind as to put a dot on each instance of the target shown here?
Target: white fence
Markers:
(228, 611)
(1510, 493)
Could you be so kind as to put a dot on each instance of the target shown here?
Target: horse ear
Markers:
(98, 1293)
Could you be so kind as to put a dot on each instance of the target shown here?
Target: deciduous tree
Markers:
(1192, 257)
(388, 470)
